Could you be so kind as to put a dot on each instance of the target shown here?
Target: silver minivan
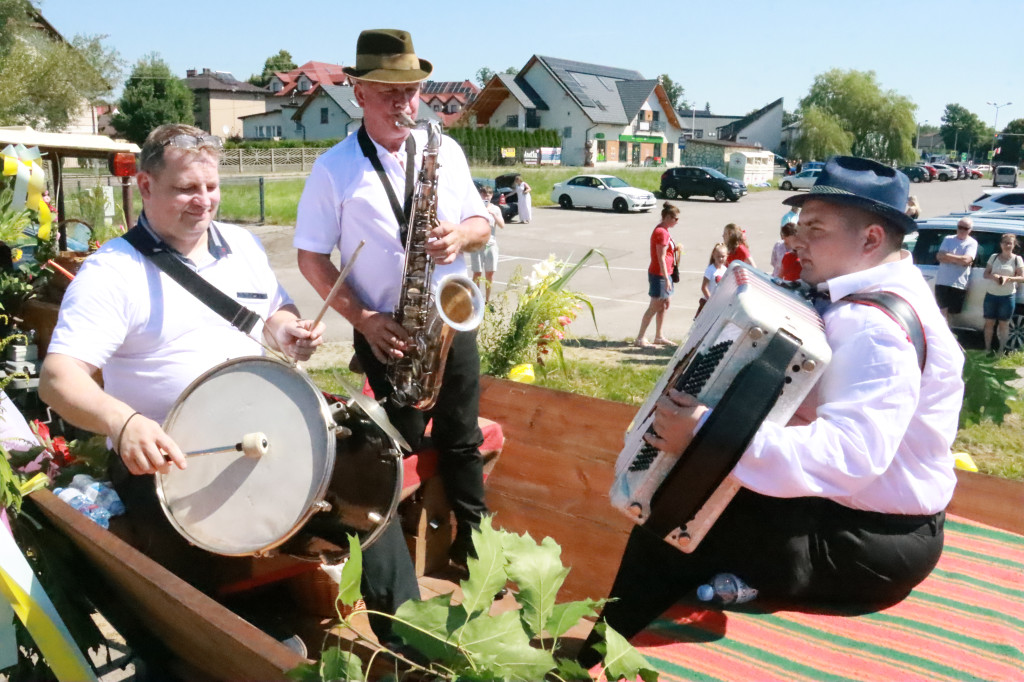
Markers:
(1005, 176)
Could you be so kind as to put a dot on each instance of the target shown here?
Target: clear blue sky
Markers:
(736, 54)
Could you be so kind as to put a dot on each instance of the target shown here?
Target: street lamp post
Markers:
(995, 123)
(917, 144)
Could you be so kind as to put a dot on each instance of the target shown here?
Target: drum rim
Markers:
(321, 492)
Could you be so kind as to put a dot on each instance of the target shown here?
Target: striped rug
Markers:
(965, 622)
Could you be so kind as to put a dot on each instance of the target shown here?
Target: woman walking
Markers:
(664, 256)
(1004, 270)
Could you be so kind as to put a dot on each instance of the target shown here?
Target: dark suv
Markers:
(687, 181)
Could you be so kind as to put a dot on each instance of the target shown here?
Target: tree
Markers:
(152, 96)
(789, 117)
(1011, 139)
(484, 74)
(282, 61)
(674, 91)
(881, 122)
(821, 135)
(961, 129)
(45, 80)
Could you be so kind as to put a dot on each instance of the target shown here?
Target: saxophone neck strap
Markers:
(231, 310)
(402, 213)
(901, 312)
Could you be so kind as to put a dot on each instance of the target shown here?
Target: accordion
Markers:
(753, 354)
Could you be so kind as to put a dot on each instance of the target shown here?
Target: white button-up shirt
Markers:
(879, 431)
(345, 202)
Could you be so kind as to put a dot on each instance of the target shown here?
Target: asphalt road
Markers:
(619, 293)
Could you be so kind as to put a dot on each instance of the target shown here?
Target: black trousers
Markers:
(799, 552)
(455, 433)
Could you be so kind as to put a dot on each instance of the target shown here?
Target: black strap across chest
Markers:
(900, 310)
(231, 310)
(402, 212)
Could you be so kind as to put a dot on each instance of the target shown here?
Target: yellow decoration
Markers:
(964, 461)
(522, 373)
(19, 585)
(29, 178)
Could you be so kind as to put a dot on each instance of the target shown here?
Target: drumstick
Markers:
(337, 284)
(252, 444)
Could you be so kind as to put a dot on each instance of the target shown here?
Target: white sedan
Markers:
(802, 180)
(601, 191)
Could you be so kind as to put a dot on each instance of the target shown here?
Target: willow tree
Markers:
(880, 122)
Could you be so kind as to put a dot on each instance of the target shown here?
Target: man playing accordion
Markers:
(845, 505)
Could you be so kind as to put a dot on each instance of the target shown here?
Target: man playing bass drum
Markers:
(346, 201)
(845, 505)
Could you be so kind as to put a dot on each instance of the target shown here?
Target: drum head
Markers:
(227, 502)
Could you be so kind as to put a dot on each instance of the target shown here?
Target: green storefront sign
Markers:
(640, 138)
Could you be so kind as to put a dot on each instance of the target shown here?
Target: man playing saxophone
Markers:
(362, 189)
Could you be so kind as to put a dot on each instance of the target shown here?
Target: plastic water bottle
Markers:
(99, 493)
(726, 588)
(76, 500)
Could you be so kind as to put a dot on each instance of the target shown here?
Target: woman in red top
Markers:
(664, 255)
(736, 241)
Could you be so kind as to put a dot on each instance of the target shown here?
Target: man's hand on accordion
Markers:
(676, 416)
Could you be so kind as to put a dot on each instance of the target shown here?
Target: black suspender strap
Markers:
(231, 310)
(900, 310)
(370, 151)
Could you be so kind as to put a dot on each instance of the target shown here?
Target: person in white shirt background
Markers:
(484, 262)
(845, 505)
(956, 256)
(1003, 272)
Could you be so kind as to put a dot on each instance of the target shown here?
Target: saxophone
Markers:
(430, 318)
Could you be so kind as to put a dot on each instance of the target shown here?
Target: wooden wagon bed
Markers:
(552, 480)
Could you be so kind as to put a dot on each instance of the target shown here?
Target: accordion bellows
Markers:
(753, 354)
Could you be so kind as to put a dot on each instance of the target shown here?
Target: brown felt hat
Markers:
(385, 55)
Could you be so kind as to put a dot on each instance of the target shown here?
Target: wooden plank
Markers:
(991, 500)
(196, 628)
(558, 465)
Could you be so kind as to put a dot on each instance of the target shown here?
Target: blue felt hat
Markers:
(863, 183)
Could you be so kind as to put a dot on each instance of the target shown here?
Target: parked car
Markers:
(996, 199)
(987, 230)
(1004, 176)
(983, 167)
(802, 180)
(932, 173)
(945, 172)
(812, 165)
(915, 173)
(684, 182)
(503, 197)
(601, 191)
(975, 173)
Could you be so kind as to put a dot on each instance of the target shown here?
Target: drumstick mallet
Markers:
(253, 444)
(336, 288)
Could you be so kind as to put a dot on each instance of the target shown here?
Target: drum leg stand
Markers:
(426, 521)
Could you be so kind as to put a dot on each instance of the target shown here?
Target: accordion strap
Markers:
(901, 312)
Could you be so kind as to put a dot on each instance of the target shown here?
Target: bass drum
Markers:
(323, 471)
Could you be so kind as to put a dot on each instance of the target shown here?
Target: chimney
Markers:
(206, 71)
(190, 73)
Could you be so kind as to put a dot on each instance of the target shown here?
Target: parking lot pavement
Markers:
(619, 294)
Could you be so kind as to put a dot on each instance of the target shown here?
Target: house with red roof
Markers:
(448, 98)
(302, 80)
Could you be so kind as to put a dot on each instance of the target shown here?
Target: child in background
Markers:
(736, 241)
(712, 275)
(789, 268)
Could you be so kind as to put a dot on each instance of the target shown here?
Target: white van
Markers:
(1005, 176)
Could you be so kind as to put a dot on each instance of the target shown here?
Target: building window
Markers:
(669, 152)
(512, 121)
(279, 131)
(567, 132)
(698, 134)
(259, 131)
(657, 150)
(602, 150)
(436, 107)
(323, 115)
(623, 151)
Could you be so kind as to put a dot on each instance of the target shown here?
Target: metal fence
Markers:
(248, 161)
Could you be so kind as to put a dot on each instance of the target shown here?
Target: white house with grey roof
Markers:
(615, 116)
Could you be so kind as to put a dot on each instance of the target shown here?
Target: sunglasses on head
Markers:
(195, 142)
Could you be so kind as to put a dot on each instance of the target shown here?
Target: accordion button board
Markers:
(753, 355)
